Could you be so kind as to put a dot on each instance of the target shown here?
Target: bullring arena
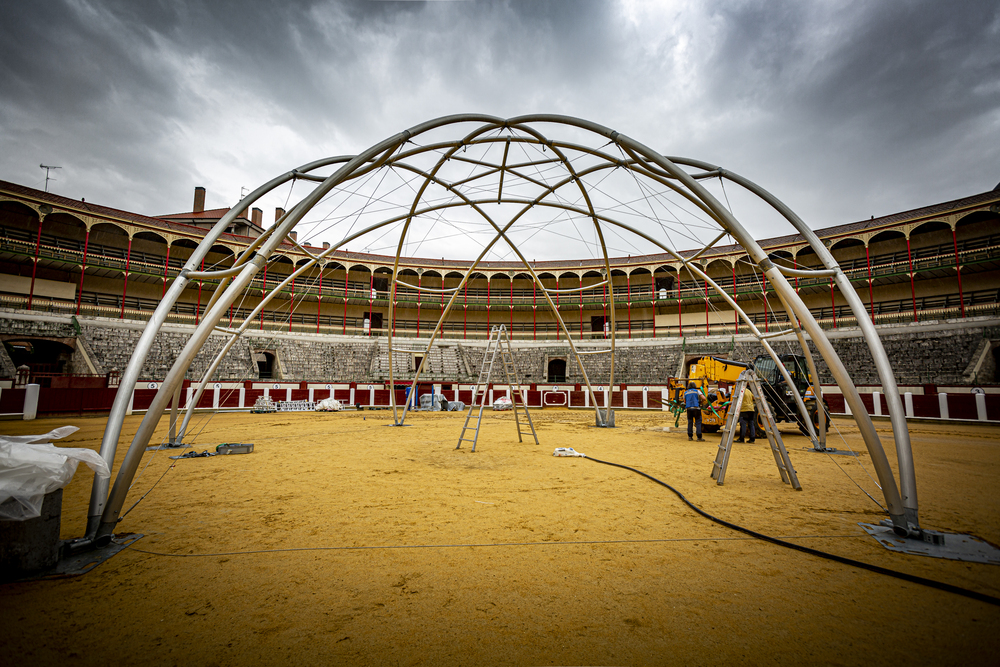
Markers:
(365, 536)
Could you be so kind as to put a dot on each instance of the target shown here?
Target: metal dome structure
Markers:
(514, 178)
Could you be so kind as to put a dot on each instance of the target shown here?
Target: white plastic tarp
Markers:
(329, 405)
(30, 467)
(503, 403)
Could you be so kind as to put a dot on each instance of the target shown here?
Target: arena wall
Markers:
(938, 352)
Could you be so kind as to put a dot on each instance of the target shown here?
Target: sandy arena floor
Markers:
(343, 541)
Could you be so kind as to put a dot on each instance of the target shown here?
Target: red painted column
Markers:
(83, 270)
(707, 328)
(680, 325)
(958, 270)
(263, 292)
(128, 263)
(291, 303)
(534, 312)
(581, 307)
(465, 311)
(652, 286)
(347, 279)
(487, 306)
(371, 288)
(34, 264)
(736, 315)
(913, 290)
(319, 302)
(795, 265)
(511, 332)
(871, 294)
(765, 302)
(166, 269)
(557, 306)
(418, 304)
(197, 309)
(833, 302)
(628, 291)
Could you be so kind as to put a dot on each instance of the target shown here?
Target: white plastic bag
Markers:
(30, 467)
(329, 405)
(503, 403)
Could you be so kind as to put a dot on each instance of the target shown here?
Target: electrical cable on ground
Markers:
(914, 579)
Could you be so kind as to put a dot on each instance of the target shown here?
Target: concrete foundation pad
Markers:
(82, 563)
(956, 546)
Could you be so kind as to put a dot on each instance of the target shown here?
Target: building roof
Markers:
(172, 223)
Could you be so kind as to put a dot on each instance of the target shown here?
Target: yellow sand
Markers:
(509, 555)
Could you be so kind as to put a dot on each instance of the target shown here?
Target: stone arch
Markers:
(975, 226)
(929, 227)
(42, 355)
(555, 369)
(720, 270)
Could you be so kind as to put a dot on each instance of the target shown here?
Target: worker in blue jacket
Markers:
(692, 401)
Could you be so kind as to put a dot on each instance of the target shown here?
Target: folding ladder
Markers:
(748, 381)
(498, 343)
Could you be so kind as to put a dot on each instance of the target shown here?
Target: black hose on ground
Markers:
(957, 590)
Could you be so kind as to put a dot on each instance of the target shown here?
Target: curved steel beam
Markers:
(643, 161)
(897, 415)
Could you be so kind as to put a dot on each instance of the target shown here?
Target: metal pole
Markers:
(871, 293)
(904, 455)
(112, 508)
(197, 308)
(291, 304)
(166, 268)
(652, 286)
(628, 302)
(347, 279)
(833, 304)
(958, 268)
(83, 270)
(731, 225)
(319, 301)
(680, 325)
(175, 403)
(913, 290)
(737, 323)
(34, 263)
(263, 292)
(130, 376)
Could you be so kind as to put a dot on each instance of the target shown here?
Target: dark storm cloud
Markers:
(880, 98)
(840, 108)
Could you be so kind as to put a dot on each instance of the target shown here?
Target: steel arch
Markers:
(395, 153)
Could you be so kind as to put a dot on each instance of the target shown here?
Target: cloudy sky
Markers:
(842, 109)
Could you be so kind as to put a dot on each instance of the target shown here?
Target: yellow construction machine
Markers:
(708, 372)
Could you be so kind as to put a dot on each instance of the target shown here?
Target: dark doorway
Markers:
(265, 365)
(557, 370)
(597, 326)
(41, 356)
(375, 320)
(416, 363)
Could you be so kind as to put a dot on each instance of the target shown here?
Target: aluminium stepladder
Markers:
(500, 344)
(748, 381)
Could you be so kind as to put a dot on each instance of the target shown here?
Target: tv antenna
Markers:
(47, 169)
(243, 192)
